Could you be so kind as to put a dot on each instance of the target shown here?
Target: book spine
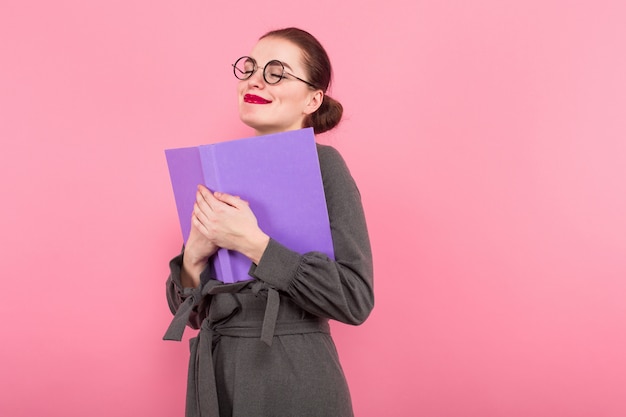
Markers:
(222, 259)
(185, 169)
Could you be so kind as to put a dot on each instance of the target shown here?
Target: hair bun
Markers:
(327, 116)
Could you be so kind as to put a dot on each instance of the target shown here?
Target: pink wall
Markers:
(489, 141)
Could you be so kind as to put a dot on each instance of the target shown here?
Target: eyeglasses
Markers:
(273, 72)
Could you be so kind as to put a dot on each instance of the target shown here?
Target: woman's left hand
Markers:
(230, 223)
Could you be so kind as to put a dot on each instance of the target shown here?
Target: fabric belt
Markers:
(201, 398)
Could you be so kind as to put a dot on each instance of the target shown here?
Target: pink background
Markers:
(488, 138)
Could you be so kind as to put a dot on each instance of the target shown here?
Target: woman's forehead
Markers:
(270, 48)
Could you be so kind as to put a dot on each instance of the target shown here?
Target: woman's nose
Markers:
(257, 79)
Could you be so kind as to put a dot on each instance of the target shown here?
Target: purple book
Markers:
(278, 174)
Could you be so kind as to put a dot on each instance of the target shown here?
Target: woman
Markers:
(264, 348)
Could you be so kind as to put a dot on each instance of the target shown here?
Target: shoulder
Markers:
(330, 159)
(335, 173)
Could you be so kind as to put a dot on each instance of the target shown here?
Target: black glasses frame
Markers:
(241, 75)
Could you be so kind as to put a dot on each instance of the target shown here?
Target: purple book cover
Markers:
(278, 174)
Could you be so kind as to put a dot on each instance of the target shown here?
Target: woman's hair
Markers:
(317, 64)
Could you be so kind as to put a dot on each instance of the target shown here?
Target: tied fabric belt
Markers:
(201, 386)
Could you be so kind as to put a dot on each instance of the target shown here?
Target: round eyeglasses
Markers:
(273, 72)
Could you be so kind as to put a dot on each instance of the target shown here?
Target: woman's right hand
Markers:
(198, 248)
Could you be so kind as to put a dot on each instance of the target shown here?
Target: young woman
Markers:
(264, 346)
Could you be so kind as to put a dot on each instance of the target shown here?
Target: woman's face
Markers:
(272, 108)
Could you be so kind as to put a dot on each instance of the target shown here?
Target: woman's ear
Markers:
(315, 101)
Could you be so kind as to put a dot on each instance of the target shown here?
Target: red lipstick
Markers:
(251, 98)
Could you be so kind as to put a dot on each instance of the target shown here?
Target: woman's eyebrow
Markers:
(286, 65)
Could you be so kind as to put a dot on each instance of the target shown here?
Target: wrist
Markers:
(191, 269)
(194, 260)
(193, 263)
(257, 246)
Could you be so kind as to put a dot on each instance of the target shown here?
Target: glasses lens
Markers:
(244, 67)
(273, 72)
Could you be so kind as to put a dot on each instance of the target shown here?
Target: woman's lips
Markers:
(251, 98)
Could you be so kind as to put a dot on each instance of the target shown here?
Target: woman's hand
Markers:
(198, 247)
(228, 222)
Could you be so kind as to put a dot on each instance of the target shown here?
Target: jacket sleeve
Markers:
(177, 294)
(340, 289)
